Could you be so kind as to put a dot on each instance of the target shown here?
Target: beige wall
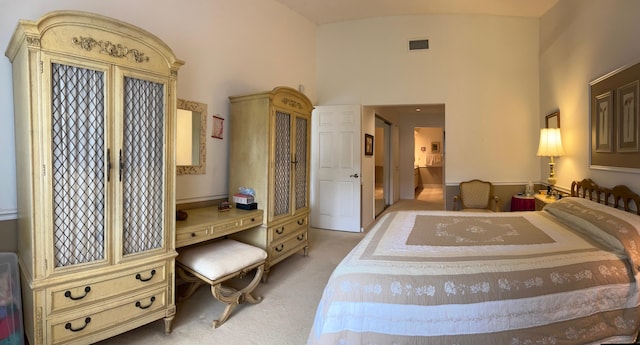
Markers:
(484, 69)
(581, 40)
(230, 47)
(497, 76)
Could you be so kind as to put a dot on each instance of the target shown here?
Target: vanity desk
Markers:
(207, 223)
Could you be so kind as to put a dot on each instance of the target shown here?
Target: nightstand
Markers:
(521, 202)
(543, 199)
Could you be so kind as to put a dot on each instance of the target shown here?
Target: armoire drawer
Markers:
(79, 294)
(294, 243)
(285, 230)
(82, 324)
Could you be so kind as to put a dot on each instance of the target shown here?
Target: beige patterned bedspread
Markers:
(428, 277)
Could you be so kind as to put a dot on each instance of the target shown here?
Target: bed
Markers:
(563, 275)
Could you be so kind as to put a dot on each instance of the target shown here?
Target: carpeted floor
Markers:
(290, 296)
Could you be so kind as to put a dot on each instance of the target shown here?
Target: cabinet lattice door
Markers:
(142, 160)
(282, 173)
(78, 174)
(290, 172)
(301, 162)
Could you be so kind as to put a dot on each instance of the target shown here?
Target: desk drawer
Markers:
(78, 294)
(251, 221)
(191, 236)
(83, 324)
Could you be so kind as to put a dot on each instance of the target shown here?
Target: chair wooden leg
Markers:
(233, 297)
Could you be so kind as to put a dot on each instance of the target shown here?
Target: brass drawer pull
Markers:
(300, 237)
(280, 231)
(86, 291)
(139, 277)
(69, 327)
(301, 221)
(152, 299)
(279, 248)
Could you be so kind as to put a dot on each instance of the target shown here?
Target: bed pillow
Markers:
(615, 228)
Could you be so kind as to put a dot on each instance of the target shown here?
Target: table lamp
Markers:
(550, 146)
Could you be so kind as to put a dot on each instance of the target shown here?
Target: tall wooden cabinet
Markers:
(95, 106)
(269, 152)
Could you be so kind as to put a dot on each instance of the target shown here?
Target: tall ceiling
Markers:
(328, 11)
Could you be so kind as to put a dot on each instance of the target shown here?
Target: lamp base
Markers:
(552, 176)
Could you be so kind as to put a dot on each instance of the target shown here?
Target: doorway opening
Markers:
(429, 164)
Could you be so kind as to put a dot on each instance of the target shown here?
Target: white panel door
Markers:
(335, 168)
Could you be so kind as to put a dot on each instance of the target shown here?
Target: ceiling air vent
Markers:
(418, 44)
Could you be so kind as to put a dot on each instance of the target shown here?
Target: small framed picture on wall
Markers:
(368, 145)
(435, 147)
(218, 127)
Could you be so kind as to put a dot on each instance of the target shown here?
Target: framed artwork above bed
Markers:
(615, 120)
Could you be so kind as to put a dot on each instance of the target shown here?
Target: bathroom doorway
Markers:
(429, 164)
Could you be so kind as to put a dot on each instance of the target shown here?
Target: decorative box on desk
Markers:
(208, 223)
(240, 198)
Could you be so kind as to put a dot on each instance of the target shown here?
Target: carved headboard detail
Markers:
(619, 196)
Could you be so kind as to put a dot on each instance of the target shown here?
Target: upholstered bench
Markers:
(215, 263)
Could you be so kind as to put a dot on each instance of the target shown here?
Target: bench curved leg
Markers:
(194, 281)
(233, 297)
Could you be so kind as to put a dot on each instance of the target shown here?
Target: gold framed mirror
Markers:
(191, 146)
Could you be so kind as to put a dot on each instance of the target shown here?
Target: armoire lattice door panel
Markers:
(301, 162)
(282, 174)
(142, 165)
(78, 173)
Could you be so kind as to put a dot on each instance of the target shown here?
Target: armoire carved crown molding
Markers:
(112, 49)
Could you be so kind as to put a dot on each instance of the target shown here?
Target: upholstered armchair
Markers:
(476, 195)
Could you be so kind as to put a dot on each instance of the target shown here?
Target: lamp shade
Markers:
(550, 143)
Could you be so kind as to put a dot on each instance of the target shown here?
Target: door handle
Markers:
(354, 175)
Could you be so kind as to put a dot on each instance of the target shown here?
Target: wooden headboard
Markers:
(621, 196)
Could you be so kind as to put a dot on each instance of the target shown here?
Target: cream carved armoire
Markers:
(269, 152)
(95, 106)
